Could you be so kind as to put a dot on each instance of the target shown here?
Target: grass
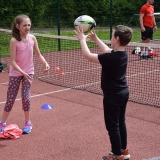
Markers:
(103, 34)
(51, 45)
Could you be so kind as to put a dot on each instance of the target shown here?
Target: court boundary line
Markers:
(143, 73)
(42, 94)
(76, 71)
(133, 75)
(57, 91)
(153, 158)
(76, 87)
(4, 83)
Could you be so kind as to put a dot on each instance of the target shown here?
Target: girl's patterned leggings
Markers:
(14, 84)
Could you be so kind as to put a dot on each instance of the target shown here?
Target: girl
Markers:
(22, 45)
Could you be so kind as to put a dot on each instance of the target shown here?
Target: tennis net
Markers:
(70, 69)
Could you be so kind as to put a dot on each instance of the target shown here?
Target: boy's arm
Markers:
(93, 57)
(103, 47)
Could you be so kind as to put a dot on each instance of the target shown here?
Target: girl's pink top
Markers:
(24, 57)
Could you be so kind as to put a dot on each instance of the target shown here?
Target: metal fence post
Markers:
(111, 18)
(58, 9)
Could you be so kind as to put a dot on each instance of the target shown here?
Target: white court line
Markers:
(133, 75)
(71, 72)
(5, 83)
(154, 158)
(38, 95)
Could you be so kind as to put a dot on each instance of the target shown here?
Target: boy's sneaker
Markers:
(27, 127)
(126, 154)
(2, 126)
(111, 156)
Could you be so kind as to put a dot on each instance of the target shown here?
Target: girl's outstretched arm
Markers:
(39, 55)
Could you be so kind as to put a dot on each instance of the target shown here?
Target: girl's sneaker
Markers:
(2, 126)
(27, 127)
(126, 154)
(111, 156)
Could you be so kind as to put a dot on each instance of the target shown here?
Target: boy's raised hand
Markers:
(79, 33)
(92, 35)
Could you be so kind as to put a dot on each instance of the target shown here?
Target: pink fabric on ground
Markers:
(11, 131)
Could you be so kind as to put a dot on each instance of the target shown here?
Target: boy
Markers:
(113, 84)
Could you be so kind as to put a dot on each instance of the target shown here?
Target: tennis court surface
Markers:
(74, 129)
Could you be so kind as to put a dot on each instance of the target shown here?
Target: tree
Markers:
(44, 13)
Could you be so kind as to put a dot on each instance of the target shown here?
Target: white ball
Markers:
(86, 22)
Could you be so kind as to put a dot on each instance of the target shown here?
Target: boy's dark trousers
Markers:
(114, 116)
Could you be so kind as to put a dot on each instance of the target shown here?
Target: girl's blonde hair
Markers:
(17, 21)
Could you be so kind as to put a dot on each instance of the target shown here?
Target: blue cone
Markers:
(46, 107)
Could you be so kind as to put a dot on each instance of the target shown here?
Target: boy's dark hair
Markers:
(17, 21)
(124, 33)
